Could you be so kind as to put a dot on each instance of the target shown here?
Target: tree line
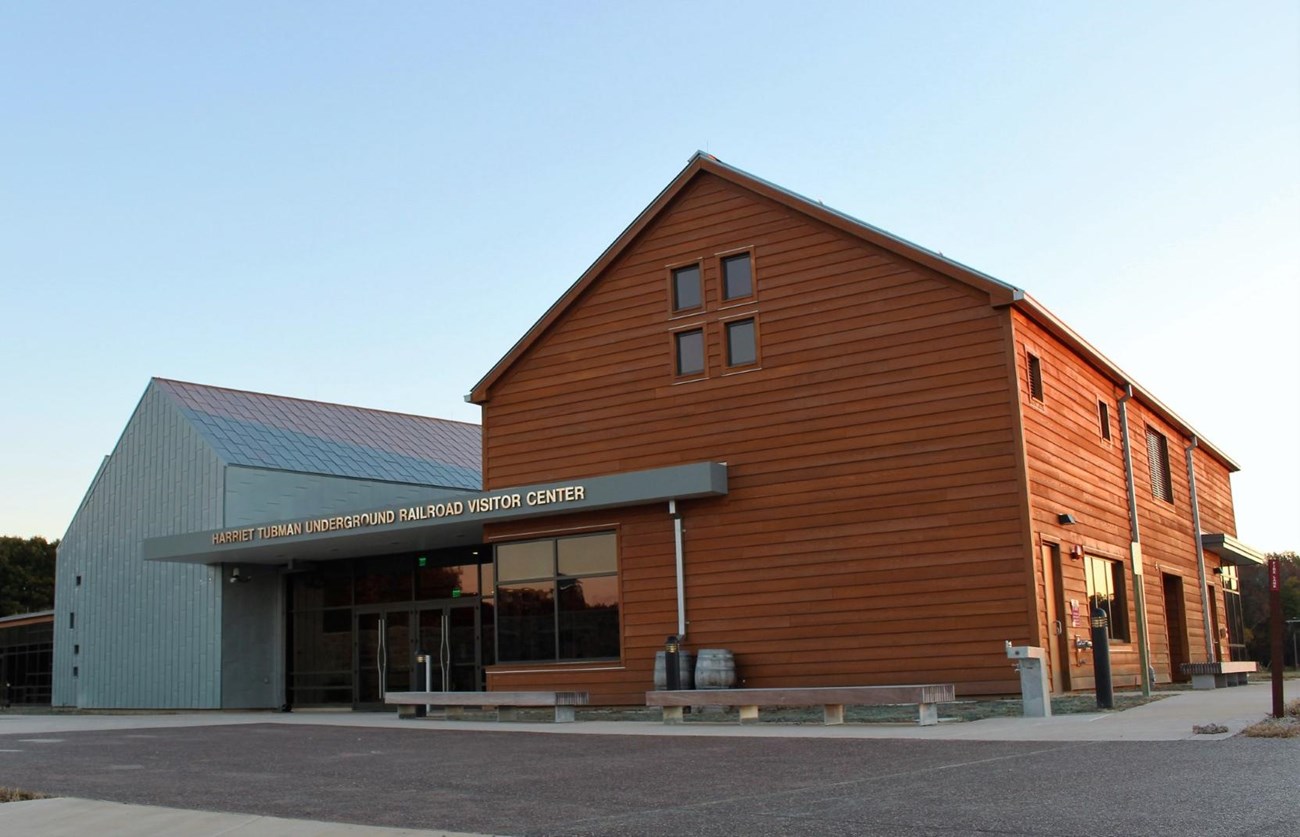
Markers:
(26, 575)
(1255, 606)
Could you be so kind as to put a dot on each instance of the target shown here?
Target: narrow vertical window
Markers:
(1103, 418)
(742, 346)
(737, 277)
(1158, 459)
(686, 288)
(1035, 378)
(690, 351)
(72, 620)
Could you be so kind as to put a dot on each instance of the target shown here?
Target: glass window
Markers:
(742, 350)
(569, 615)
(587, 615)
(531, 559)
(737, 279)
(584, 556)
(526, 621)
(1105, 583)
(1103, 419)
(690, 352)
(686, 288)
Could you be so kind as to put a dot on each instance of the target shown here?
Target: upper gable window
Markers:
(737, 277)
(1158, 459)
(689, 346)
(742, 343)
(1035, 378)
(686, 288)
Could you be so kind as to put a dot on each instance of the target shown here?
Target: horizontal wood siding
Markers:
(1073, 470)
(872, 531)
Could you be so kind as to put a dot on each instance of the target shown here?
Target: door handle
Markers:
(1058, 628)
(381, 658)
(444, 653)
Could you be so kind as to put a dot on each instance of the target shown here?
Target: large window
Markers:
(1105, 580)
(737, 277)
(1158, 459)
(557, 599)
(742, 343)
(686, 288)
(689, 346)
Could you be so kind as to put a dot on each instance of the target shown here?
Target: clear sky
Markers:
(369, 203)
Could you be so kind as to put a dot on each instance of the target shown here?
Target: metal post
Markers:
(421, 673)
(1275, 628)
(1101, 659)
(672, 671)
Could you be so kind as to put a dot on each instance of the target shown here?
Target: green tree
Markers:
(1255, 604)
(26, 575)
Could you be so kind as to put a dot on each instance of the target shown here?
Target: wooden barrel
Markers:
(685, 667)
(715, 668)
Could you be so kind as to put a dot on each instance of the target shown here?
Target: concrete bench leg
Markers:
(565, 715)
(749, 714)
(833, 714)
(929, 714)
(672, 714)
(406, 710)
(1203, 681)
(507, 713)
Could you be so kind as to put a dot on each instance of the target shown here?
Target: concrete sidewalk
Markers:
(78, 817)
(1170, 718)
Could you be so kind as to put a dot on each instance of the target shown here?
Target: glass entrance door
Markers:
(388, 640)
(383, 655)
(448, 634)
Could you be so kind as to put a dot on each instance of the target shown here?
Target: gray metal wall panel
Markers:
(149, 633)
(255, 495)
(252, 640)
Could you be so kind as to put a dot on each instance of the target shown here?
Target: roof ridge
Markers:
(317, 401)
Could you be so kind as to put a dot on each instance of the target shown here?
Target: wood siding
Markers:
(873, 532)
(1073, 470)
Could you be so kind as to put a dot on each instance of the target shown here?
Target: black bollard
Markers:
(672, 670)
(420, 680)
(1101, 659)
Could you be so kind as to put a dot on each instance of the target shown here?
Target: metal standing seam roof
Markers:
(257, 430)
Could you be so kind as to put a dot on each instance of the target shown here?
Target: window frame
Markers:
(1103, 419)
(725, 301)
(674, 348)
(725, 325)
(1161, 478)
(1034, 376)
(1118, 589)
(554, 579)
(673, 270)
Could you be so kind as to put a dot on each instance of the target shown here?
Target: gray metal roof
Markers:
(290, 434)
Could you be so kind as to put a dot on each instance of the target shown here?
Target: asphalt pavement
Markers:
(1140, 771)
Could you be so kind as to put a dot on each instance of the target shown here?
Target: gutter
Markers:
(1200, 552)
(681, 569)
(1135, 544)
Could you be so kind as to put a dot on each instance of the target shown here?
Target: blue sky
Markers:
(369, 203)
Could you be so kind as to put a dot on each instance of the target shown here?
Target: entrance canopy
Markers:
(449, 520)
(1230, 550)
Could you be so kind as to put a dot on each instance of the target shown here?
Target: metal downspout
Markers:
(681, 571)
(1135, 544)
(1200, 552)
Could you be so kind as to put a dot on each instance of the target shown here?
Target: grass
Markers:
(1288, 726)
(18, 795)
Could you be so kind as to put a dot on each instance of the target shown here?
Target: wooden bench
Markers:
(1220, 674)
(505, 703)
(832, 699)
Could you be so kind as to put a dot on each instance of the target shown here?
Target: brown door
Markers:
(1058, 640)
(1175, 625)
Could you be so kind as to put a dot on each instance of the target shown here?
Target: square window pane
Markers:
(741, 349)
(588, 616)
(592, 554)
(532, 559)
(686, 288)
(690, 352)
(525, 622)
(737, 280)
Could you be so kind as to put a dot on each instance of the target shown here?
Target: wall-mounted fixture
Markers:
(1217, 570)
(236, 578)
(1076, 552)
(1066, 519)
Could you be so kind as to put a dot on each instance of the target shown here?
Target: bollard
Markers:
(1101, 659)
(672, 670)
(420, 680)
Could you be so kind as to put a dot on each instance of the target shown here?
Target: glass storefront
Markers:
(356, 624)
(26, 663)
